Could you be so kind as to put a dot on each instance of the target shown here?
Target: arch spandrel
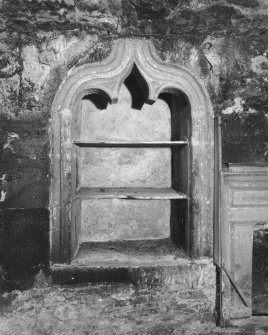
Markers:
(112, 72)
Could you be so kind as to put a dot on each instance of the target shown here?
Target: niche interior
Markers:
(125, 151)
(131, 174)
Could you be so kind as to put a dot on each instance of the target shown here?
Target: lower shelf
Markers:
(128, 253)
(146, 264)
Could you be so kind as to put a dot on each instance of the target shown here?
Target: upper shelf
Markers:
(156, 144)
(130, 193)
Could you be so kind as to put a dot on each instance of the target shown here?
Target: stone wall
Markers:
(224, 43)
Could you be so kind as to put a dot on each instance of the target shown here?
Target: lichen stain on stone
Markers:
(116, 17)
(245, 3)
(55, 50)
(179, 52)
(240, 108)
(89, 50)
(216, 18)
(9, 65)
(11, 137)
(33, 70)
(259, 65)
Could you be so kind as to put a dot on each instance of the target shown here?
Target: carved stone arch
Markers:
(108, 77)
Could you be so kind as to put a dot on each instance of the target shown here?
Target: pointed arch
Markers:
(129, 61)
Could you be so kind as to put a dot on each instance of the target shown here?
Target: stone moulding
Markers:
(106, 78)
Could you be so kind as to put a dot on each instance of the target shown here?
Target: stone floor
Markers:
(108, 309)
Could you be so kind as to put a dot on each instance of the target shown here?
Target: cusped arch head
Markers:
(101, 96)
(135, 61)
(137, 86)
(97, 96)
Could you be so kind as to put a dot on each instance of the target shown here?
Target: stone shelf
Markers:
(128, 253)
(131, 193)
(156, 144)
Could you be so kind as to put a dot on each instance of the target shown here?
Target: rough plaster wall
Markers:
(125, 167)
(104, 220)
(120, 122)
(224, 43)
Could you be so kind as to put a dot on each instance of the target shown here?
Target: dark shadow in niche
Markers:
(137, 87)
(180, 111)
(179, 106)
(99, 98)
(260, 272)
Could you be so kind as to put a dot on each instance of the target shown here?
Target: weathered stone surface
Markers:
(105, 309)
(28, 83)
(224, 43)
(113, 309)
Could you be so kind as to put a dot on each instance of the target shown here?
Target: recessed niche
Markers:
(125, 132)
(132, 164)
